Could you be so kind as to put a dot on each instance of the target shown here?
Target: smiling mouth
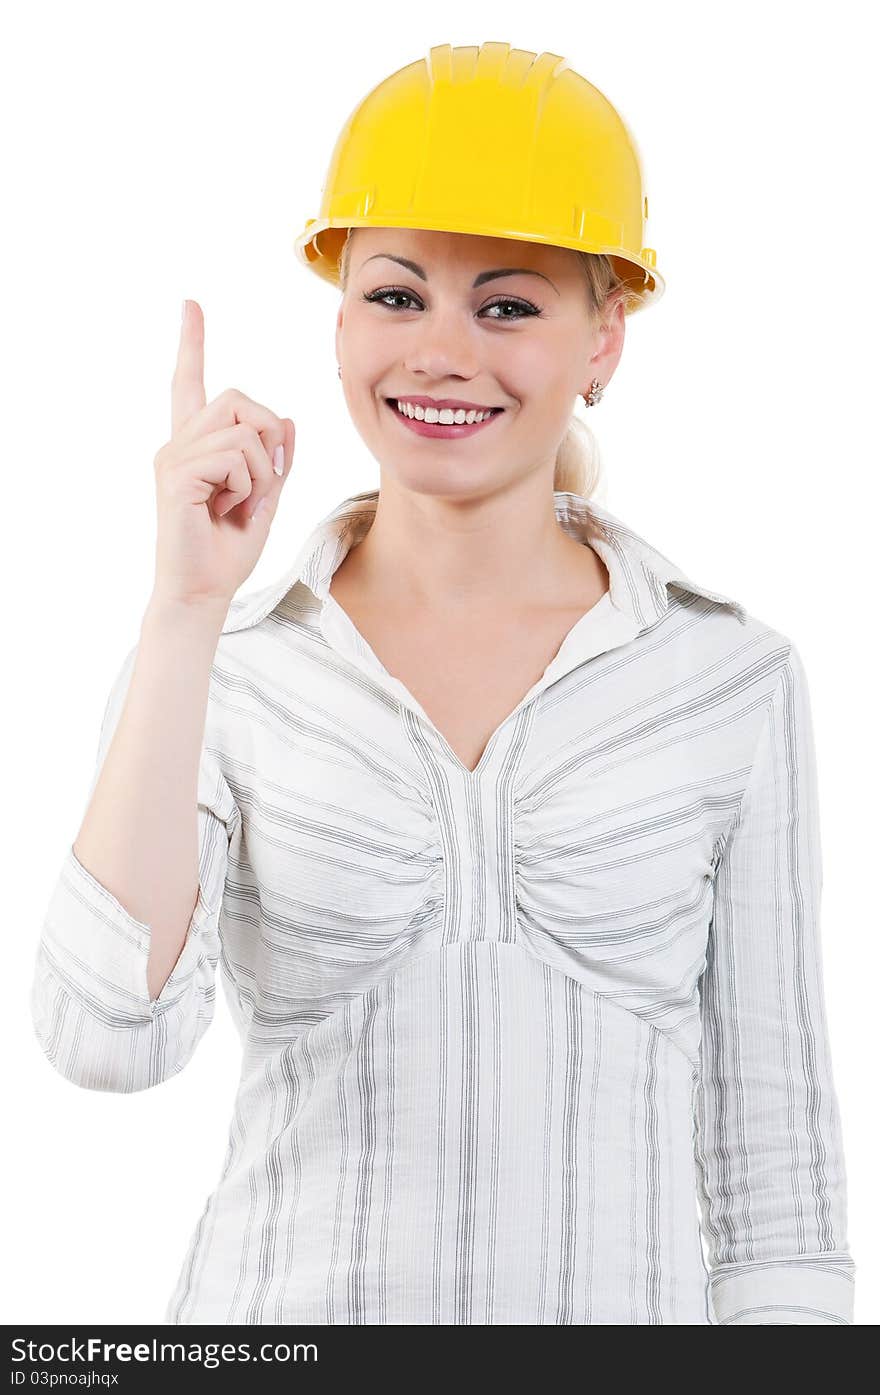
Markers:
(451, 430)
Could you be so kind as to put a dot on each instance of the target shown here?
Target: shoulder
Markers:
(729, 645)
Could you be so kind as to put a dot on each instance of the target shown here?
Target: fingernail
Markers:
(278, 460)
(263, 501)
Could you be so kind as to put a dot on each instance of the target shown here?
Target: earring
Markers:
(339, 369)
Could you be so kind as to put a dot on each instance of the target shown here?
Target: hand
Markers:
(211, 475)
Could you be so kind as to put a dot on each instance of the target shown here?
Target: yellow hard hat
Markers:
(490, 140)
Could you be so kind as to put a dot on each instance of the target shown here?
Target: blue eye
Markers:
(527, 308)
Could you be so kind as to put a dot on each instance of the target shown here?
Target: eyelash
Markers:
(530, 309)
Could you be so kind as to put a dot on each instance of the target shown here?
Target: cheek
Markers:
(365, 342)
(530, 368)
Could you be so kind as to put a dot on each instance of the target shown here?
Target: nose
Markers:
(441, 349)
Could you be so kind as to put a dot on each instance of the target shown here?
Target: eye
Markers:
(523, 308)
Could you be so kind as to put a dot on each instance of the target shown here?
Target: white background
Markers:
(163, 151)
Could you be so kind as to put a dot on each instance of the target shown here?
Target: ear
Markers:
(609, 346)
(338, 334)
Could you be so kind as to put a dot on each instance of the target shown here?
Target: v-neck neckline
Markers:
(600, 627)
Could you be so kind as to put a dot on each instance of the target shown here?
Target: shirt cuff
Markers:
(99, 952)
(800, 1290)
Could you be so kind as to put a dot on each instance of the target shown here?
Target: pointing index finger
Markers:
(188, 383)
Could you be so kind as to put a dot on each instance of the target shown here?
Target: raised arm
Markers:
(124, 980)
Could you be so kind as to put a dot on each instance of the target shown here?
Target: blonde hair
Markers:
(578, 462)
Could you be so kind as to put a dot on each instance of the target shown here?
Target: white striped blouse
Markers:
(542, 1042)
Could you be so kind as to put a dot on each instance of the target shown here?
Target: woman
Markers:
(507, 838)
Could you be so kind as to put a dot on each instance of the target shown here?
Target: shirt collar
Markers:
(639, 574)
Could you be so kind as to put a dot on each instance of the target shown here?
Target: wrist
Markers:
(199, 614)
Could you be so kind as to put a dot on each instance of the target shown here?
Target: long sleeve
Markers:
(767, 1142)
(89, 1001)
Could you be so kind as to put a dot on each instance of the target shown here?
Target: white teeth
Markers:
(445, 416)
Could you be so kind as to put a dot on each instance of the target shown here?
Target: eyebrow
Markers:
(483, 276)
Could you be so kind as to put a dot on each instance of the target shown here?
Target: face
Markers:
(522, 341)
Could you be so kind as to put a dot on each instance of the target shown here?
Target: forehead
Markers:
(470, 250)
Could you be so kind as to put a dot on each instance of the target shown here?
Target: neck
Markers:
(454, 557)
